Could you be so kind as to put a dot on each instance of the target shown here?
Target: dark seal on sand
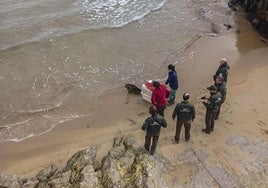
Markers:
(133, 89)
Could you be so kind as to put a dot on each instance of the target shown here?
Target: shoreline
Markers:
(26, 158)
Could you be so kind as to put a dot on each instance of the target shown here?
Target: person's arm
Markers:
(164, 122)
(153, 98)
(208, 103)
(145, 125)
(167, 82)
(175, 112)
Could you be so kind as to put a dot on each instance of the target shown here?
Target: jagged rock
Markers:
(117, 141)
(47, 172)
(127, 167)
(128, 143)
(44, 184)
(30, 182)
(9, 181)
(90, 178)
(81, 159)
(62, 180)
(78, 161)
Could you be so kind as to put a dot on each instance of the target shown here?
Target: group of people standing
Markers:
(184, 112)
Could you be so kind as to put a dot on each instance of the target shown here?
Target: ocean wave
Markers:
(74, 18)
(116, 13)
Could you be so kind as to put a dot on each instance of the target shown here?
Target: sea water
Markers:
(58, 56)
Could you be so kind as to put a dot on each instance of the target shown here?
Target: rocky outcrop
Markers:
(127, 167)
(257, 13)
(123, 166)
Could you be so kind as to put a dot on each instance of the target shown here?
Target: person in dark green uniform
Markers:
(221, 87)
(223, 70)
(152, 125)
(212, 105)
(185, 112)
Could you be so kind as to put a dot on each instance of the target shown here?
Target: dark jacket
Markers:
(213, 102)
(223, 71)
(222, 89)
(172, 80)
(152, 125)
(159, 96)
(184, 111)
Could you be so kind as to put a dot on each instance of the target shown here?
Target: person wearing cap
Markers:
(173, 83)
(152, 125)
(222, 70)
(159, 96)
(185, 112)
(221, 87)
(212, 105)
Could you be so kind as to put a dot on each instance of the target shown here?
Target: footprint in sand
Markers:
(229, 122)
(132, 122)
(264, 131)
(255, 111)
(230, 112)
(261, 123)
(141, 114)
(202, 143)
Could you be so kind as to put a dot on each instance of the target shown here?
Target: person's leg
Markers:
(154, 144)
(208, 122)
(147, 142)
(187, 126)
(172, 97)
(212, 122)
(178, 131)
(218, 112)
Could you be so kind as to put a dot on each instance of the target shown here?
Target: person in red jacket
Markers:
(159, 97)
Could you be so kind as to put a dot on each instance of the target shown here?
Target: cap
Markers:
(186, 96)
(212, 88)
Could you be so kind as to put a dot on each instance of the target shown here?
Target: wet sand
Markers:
(120, 113)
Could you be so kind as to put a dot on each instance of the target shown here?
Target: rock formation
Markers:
(257, 13)
(127, 167)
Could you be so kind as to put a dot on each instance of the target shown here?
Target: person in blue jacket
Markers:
(173, 83)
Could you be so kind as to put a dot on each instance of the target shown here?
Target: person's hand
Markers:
(204, 97)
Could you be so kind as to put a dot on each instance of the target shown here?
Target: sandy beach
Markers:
(119, 113)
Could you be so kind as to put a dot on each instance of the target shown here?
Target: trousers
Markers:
(187, 127)
(210, 116)
(148, 146)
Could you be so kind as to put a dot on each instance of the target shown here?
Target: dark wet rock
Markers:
(256, 11)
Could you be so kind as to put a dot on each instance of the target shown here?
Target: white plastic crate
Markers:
(146, 93)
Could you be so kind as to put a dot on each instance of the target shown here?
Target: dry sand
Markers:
(119, 113)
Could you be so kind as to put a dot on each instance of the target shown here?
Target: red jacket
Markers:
(159, 96)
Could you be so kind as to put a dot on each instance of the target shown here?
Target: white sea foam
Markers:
(116, 13)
